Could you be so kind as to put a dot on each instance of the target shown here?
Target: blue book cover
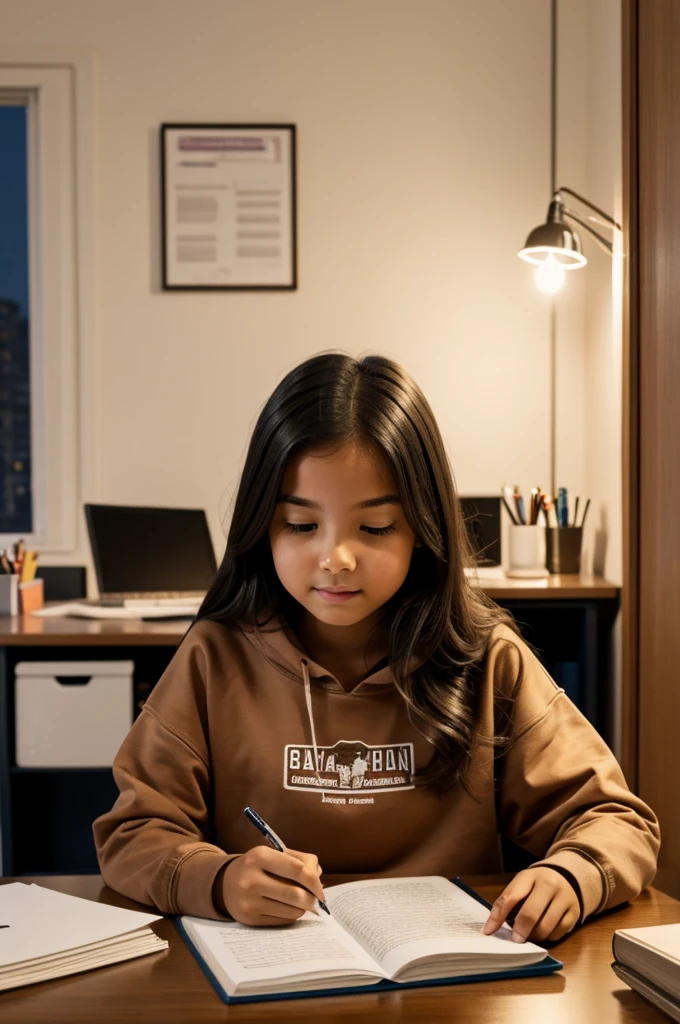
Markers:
(546, 966)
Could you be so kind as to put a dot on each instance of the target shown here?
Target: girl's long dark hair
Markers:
(437, 617)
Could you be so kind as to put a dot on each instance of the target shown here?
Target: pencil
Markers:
(585, 512)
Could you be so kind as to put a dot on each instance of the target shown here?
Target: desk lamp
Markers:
(554, 247)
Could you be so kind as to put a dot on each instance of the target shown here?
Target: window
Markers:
(45, 301)
(16, 512)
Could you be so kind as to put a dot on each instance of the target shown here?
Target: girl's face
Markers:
(339, 538)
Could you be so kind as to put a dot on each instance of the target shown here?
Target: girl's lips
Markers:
(336, 596)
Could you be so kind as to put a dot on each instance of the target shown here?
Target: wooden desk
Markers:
(32, 631)
(170, 987)
(552, 588)
(567, 618)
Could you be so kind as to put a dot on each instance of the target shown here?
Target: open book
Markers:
(46, 934)
(382, 931)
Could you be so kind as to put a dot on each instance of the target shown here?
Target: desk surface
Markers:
(170, 987)
(587, 588)
(29, 630)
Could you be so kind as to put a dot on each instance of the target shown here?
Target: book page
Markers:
(311, 946)
(662, 938)
(398, 920)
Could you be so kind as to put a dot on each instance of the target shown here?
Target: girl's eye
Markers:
(379, 531)
(375, 531)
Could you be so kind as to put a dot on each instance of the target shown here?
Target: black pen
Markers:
(273, 840)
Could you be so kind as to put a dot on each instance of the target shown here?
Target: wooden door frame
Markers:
(630, 399)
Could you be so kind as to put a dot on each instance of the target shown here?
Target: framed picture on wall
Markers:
(228, 207)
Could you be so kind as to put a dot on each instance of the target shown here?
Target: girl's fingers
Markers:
(274, 888)
(554, 913)
(309, 860)
(516, 890)
(531, 913)
(568, 921)
(282, 911)
(288, 864)
(254, 907)
(266, 919)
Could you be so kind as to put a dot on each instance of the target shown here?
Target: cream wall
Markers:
(604, 302)
(422, 163)
(590, 307)
(604, 308)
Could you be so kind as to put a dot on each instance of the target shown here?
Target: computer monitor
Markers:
(150, 551)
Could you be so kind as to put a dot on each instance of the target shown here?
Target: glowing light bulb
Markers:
(549, 277)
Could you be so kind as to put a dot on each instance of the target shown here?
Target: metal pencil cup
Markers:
(563, 547)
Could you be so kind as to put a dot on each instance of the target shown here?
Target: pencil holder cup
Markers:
(563, 544)
(9, 594)
(527, 552)
(31, 596)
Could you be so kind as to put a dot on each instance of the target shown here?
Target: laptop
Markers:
(150, 557)
(482, 517)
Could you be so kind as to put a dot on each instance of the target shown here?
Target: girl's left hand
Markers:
(550, 910)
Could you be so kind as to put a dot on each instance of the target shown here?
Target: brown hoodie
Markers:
(244, 717)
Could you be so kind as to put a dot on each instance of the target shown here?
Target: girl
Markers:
(345, 678)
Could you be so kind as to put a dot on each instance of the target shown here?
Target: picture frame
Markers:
(228, 207)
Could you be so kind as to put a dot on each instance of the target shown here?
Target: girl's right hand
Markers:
(260, 887)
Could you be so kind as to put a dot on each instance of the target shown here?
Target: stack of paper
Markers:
(46, 934)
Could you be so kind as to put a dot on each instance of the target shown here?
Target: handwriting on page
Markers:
(384, 919)
(255, 948)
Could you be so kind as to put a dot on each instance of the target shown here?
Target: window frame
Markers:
(60, 289)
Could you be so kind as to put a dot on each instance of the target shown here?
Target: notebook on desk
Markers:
(47, 934)
(383, 934)
(648, 959)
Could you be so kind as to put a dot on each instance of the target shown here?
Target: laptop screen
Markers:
(482, 517)
(150, 550)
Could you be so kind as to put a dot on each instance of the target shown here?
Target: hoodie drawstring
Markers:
(308, 700)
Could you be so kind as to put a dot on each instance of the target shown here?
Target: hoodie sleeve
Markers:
(562, 795)
(153, 846)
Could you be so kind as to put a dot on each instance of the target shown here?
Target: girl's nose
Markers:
(337, 559)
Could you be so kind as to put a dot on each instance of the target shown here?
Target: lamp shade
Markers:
(554, 239)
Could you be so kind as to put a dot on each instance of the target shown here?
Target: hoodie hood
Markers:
(281, 648)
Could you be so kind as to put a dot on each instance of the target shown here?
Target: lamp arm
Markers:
(570, 192)
(600, 239)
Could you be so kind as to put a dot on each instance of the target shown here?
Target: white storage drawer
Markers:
(71, 714)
